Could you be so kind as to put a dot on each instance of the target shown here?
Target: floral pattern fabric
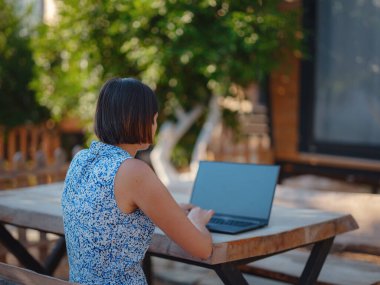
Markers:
(104, 245)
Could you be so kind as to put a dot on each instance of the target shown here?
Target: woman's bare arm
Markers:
(137, 185)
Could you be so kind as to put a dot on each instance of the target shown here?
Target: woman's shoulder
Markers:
(130, 179)
(135, 167)
(134, 173)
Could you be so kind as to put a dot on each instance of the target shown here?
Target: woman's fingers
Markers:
(209, 214)
(186, 207)
(200, 216)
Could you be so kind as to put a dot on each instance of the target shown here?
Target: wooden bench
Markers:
(13, 275)
(338, 268)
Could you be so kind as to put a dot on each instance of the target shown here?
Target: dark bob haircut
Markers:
(125, 112)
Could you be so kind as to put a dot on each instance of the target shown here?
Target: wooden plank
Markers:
(336, 270)
(39, 207)
(2, 141)
(11, 145)
(286, 230)
(55, 140)
(46, 147)
(254, 118)
(23, 141)
(338, 161)
(289, 137)
(35, 207)
(10, 274)
(290, 5)
(364, 207)
(70, 125)
(285, 121)
(284, 87)
(255, 129)
(285, 106)
(33, 142)
(282, 91)
(285, 149)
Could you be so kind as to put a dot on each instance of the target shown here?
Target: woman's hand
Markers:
(186, 207)
(200, 217)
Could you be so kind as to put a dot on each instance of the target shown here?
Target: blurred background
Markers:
(294, 83)
(290, 82)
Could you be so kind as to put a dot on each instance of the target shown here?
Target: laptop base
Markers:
(232, 230)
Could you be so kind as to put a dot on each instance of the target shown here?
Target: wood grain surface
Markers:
(10, 274)
(40, 208)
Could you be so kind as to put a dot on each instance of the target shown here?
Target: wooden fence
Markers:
(30, 155)
(253, 146)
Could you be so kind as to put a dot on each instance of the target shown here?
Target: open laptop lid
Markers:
(238, 189)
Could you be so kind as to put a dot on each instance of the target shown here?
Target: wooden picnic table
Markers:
(39, 208)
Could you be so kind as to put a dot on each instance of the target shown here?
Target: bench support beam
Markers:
(26, 259)
(56, 255)
(229, 274)
(315, 262)
(19, 251)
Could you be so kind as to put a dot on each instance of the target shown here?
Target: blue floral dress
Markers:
(104, 245)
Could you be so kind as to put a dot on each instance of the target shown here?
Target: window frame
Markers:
(307, 141)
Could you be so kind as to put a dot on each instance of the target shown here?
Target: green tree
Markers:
(18, 104)
(185, 49)
(188, 51)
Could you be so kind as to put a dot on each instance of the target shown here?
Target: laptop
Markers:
(240, 194)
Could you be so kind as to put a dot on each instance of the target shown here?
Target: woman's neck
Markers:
(132, 149)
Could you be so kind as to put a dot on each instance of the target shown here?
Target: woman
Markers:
(112, 202)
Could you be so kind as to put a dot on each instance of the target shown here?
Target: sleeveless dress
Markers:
(104, 245)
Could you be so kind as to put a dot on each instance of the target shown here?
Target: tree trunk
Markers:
(169, 135)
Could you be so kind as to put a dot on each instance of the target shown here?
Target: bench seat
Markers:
(13, 275)
(336, 270)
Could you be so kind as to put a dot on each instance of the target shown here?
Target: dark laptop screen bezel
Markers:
(261, 165)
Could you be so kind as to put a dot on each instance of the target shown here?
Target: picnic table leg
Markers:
(229, 274)
(147, 268)
(55, 256)
(19, 251)
(315, 262)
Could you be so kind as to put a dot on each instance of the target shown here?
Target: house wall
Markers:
(285, 109)
(284, 92)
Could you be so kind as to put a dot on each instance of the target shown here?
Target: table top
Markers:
(39, 208)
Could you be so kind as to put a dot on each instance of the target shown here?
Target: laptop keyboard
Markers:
(229, 222)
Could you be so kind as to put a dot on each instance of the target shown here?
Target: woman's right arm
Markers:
(136, 182)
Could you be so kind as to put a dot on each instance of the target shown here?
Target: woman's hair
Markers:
(125, 112)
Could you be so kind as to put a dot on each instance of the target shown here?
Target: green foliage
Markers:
(18, 104)
(186, 50)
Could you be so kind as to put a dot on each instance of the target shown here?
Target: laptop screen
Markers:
(235, 188)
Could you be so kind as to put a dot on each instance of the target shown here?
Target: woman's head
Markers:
(125, 112)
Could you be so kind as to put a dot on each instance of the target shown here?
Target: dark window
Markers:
(340, 81)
